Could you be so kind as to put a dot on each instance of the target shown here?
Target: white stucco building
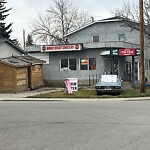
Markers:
(105, 46)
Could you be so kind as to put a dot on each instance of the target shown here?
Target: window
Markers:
(84, 64)
(68, 64)
(72, 64)
(64, 64)
(95, 38)
(147, 64)
(121, 37)
(92, 64)
(88, 64)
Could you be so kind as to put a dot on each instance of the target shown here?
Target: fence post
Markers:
(96, 78)
(89, 81)
(93, 79)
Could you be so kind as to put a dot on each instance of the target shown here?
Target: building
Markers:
(7, 49)
(101, 47)
(20, 73)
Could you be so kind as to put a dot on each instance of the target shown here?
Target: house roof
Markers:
(14, 62)
(112, 19)
(30, 59)
(21, 61)
(2, 40)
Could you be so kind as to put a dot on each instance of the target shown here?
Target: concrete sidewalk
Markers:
(22, 96)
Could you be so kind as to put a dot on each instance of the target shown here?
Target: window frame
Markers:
(68, 64)
(88, 64)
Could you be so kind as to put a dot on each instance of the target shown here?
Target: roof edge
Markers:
(112, 19)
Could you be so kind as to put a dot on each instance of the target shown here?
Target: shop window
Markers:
(121, 37)
(72, 64)
(68, 64)
(64, 64)
(88, 64)
(95, 38)
(84, 64)
(92, 63)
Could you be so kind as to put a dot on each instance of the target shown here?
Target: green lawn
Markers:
(82, 93)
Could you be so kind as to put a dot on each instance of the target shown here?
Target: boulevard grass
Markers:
(83, 93)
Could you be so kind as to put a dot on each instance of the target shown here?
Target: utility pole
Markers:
(142, 71)
(24, 43)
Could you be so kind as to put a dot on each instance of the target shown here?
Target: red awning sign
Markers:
(127, 52)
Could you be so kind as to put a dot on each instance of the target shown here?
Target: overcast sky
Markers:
(25, 11)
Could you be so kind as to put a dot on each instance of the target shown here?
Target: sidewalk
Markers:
(22, 96)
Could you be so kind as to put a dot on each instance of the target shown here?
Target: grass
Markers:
(82, 93)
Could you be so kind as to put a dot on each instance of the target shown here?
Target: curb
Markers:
(77, 99)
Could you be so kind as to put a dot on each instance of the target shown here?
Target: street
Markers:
(75, 125)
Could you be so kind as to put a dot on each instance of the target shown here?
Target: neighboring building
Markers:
(105, 46)
(7, 49)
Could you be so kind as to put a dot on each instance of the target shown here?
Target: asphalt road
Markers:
(75, 125)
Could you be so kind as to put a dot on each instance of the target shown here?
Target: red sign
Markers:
(37, 69)
(50, 48)
(127, 52)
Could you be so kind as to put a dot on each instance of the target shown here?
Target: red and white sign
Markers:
(68, 87)
(127, 52)
(54, 48)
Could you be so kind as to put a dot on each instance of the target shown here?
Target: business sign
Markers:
(127, 52)
(54, 48)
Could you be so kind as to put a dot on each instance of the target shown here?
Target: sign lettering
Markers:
(127, 52)
(50, 48)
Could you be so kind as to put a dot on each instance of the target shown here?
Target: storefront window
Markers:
(84, 64)
(92, 64)
(64, 63)
(72, 64)
(68, 64)
(88, 64)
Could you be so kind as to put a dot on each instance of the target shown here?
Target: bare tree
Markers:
(130, 12)
(61, 18)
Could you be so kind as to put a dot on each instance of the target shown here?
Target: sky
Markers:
(25, 11)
